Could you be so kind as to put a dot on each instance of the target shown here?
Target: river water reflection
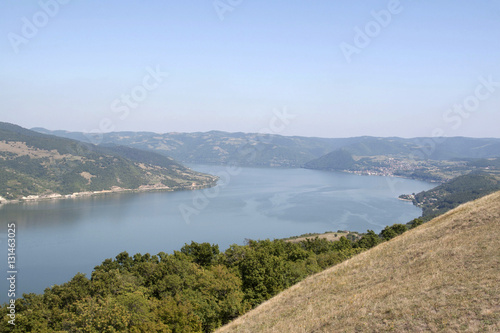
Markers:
(57, 239)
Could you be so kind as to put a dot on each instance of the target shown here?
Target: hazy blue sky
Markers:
(341, 67)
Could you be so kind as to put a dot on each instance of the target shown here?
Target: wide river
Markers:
(57, 239)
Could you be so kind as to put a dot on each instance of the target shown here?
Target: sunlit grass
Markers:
(441, 276)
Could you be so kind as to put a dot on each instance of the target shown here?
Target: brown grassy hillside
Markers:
(443, 276)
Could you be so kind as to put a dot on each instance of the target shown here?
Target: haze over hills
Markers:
(440, 276)
(428, 159)
(407, 166)
(253, 149)
(35, 164)
(136, 160)
(217, 147)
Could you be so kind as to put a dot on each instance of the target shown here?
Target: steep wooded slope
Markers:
(35, 164)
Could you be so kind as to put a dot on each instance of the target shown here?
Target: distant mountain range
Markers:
(35, 165)
(250, 149)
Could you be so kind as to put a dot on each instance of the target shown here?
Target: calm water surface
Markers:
(57, 239)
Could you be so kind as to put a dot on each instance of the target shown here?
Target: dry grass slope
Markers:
(443, 276)
(328, 236)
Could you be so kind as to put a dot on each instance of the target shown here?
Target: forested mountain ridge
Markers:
(216, 147)
(35, 165)
(271, 150)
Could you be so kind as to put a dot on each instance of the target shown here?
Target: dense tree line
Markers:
(196, 289)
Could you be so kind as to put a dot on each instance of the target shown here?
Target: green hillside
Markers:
(337, 160)
(455, 192)
(35, 164)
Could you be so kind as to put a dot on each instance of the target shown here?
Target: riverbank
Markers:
(388, 174)
(113, 190)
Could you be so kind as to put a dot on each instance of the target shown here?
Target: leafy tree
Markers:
(390, 232)
(342, 244)
(176, 314)
(316, 245)
(262, 276)
(368, 240)
(203, 254)
(414, 223)
(96, 314)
